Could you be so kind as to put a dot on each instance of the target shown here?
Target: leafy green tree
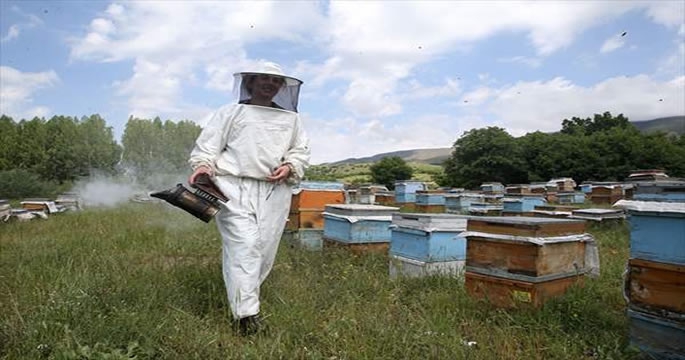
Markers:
(8, 142)
(30, 152)
(389, 169)
(603, 122)
(153, 146)
(61, 163)
(96, 146)
(483, 155)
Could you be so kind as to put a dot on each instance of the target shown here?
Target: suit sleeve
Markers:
(212, 140)
(299, 153)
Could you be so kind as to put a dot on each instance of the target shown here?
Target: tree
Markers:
(483, 155)
(578, 126)
(389, 169)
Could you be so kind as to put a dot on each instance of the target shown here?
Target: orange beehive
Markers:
(505, 292)
(316, 199)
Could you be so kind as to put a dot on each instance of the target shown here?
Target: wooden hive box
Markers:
(358, 223)
(658, 337)
(305, 219)
(315, 199)
(39, 205)
(428, 237)
(503, 258)
(656, 286)
(505, 292)
(387, 199)
(657, 231)
(526, 226)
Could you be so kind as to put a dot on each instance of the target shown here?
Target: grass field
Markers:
(144, 282)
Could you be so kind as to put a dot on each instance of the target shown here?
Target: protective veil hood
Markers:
(287, 96)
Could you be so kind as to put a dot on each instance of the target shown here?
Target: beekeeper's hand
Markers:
(280, 174)
(202, 169)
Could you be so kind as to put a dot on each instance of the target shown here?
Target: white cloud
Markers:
(532, 62)
(542, 105)
(17, 89)
(177, 45)
(338, 139)
(12, 33)
(611, 44)
(29, 21)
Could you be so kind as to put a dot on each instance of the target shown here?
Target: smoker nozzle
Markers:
(203, 203)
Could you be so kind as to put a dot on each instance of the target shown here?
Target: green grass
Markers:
(144, 282)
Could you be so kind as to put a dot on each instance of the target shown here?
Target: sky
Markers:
(378, 76)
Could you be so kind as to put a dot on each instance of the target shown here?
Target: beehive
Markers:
(358, 223)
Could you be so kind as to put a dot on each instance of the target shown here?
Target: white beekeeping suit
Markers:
(243, 145)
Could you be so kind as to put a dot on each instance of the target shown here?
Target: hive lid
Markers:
(360, 210)
(431, 222)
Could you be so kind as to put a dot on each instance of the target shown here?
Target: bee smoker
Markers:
(203, 203)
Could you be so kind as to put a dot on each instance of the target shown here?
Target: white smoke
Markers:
(106, 192)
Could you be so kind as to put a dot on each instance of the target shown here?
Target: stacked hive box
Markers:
(44, 205)
(427, 244)
(521, 205)
(606, 194)
(358, 227)
(655, 281)
(430, 201)
(554, 211)
(386, 198)
(305, 222)
(460, 203)
(485, 209)
(574, 197)
(405, 193)
(598, 215)
(522, 189)
(511, 260)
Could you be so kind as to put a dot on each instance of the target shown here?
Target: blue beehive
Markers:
(522, 203)
(657, 231)
(311, 239)
(659, 337)
(428, 237)
(321, 185)
(571, 197)
(405, 191)
(586, 188)
(358, 223)
(671, 191)
(430, 198)
(461, 202)
(492, 187)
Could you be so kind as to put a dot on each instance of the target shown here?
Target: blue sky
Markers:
(379, 76)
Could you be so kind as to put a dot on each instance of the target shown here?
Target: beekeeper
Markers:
(255, 150)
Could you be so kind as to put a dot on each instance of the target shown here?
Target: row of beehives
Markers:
(503, 259)
(654, 284)
(38, 208)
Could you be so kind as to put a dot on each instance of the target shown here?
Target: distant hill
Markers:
(427, 156)
(436, 156)
(671, 124)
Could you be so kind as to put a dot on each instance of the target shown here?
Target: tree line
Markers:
(40, 157)
(601, 148)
